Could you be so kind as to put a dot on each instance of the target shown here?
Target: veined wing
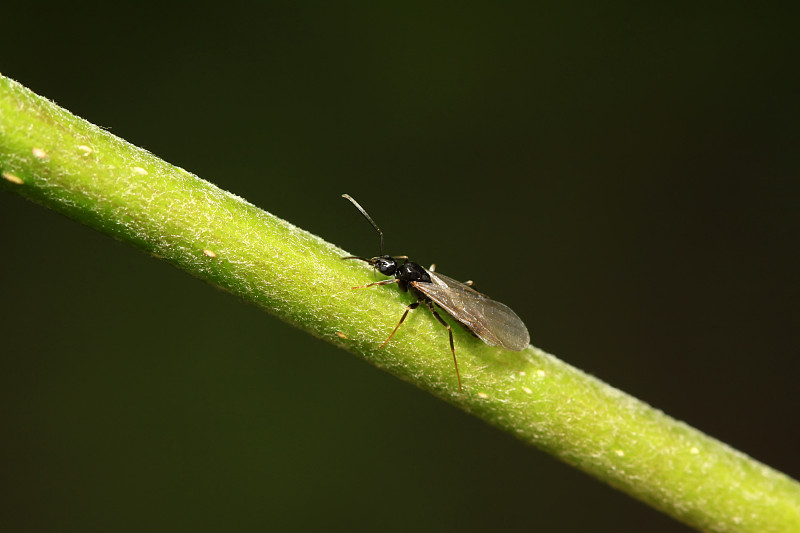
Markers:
(491, 321)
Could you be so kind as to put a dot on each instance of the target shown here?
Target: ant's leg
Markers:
(409, 308)
(384, 282)
(450, 331)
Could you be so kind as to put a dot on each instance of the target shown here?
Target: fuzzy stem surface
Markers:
(82, 171)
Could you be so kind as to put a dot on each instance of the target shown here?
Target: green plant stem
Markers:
(84, 172)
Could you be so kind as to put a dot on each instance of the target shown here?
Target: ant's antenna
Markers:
(374, 225)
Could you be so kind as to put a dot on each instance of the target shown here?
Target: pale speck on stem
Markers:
(13, 178)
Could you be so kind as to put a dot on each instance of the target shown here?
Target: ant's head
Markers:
(385, 264)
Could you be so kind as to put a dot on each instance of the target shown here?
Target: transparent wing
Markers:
(494, 323)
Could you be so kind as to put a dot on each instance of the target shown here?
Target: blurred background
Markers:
(624, 177)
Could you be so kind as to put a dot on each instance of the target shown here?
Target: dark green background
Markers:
(624, 177)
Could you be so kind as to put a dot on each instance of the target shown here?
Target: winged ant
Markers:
(492, 322)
